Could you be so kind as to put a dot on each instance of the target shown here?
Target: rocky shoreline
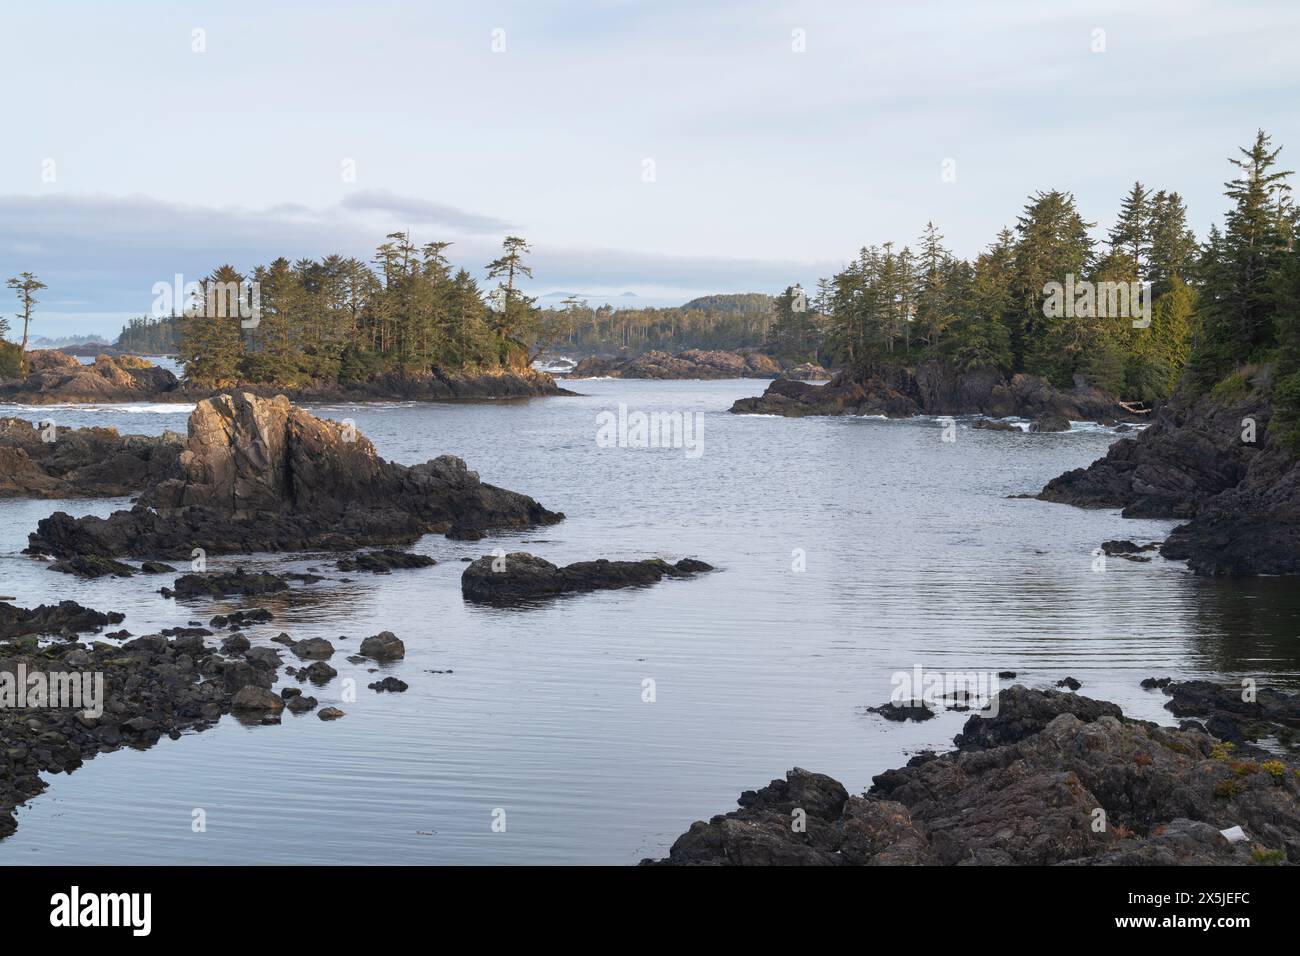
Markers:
(936, 388)
(1211, 461)
(55, 377)
(694, 364)
(1053, 779)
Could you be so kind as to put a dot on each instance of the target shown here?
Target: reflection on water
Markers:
(913, 554)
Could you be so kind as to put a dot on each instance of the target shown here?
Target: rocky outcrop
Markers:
(1061, 780)
(933, 388)
(60, 462)
(264, 475)
(692, 363)
(55, 377)
(520, 576)
(151, 687)
(1211, 461)
(67, 618)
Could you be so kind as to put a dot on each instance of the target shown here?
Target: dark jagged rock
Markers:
(933, 388)
(904, 710)
(152, 687)
(691, 363)
(318, 672)
(221, 584)
(384, 646)
(82, 462)
(1069, 683)
(263, 475)
(66, 617)
(1050, 422)
(1025, 789)
(995, 425)
(385, 561)
(256, 698)
(1239, 714)
(1241, 497)
(93, 566)
(1023, 712)
(1126, 547)
(237, 619)
(1152, 683)
(235, 644)
(389, 684)
(523, 576)
(314, 648)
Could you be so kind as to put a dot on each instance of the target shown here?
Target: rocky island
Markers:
(935, 387)
(695, 364)
(263, 475)
(55, 377)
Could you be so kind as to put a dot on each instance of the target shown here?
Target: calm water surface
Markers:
(914, 555)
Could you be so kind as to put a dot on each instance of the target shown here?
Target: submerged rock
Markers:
(214, 584)
(384, 561)
(263, 475)
(1026, 787)
(521, 576)
(92, 567)
(1050, 422)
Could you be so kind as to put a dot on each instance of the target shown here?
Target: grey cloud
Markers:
(104, 253)
(422, 211)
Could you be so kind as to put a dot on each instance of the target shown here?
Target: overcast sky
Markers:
(129, 157)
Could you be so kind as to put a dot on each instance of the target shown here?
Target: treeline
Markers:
(725, 321)
(150, 336)
(905, 304)
(1045, 298)
(342, 320)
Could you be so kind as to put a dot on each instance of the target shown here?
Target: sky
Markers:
(668, 149)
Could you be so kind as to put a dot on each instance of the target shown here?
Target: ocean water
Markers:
(911, 551)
